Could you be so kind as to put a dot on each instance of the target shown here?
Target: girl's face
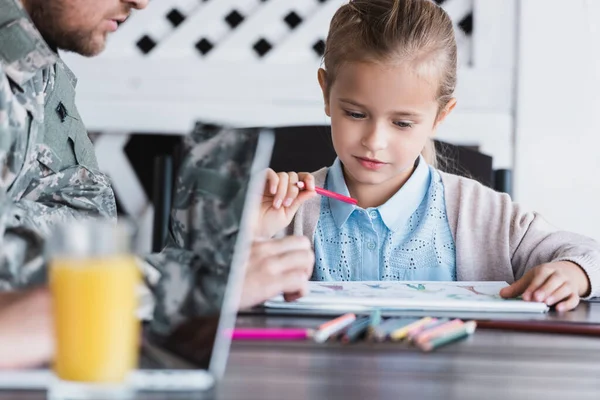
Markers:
(381, 118)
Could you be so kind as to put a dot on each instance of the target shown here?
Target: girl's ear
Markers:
(445, 112)
(322, 76)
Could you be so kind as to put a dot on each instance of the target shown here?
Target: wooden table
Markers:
(489, 365)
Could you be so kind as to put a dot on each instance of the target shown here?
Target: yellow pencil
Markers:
(401, 333)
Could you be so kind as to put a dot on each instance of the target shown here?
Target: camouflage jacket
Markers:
(48, 170)
(189, 276)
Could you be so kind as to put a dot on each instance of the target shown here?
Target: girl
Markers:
(388, 82)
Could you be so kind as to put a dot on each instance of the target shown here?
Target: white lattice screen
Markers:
(254, 62)
(182, 60)
(289, 31)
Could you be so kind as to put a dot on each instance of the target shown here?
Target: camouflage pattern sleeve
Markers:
(191, 272)
(34, 192)
(25, 223)
(48, 170)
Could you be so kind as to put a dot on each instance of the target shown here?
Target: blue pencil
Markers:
(356, 330)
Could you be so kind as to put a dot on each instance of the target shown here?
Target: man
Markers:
(48, 170)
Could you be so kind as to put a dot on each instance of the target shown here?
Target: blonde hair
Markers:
(390, 31)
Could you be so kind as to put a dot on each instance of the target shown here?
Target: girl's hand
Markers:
(284, 194)
(558, 283)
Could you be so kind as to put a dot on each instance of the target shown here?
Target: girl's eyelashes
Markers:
(358, 115)
(354, 114)
(404, 124)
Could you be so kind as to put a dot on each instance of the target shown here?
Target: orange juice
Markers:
(95, 304)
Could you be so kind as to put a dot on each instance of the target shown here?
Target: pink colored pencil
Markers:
(432, 333)
(418, 329)
(270, 334)
(337, 196)
(333, 195)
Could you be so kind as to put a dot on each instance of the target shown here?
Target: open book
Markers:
(407, 295)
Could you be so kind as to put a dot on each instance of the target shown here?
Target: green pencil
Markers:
(374, 322)
(468, 328)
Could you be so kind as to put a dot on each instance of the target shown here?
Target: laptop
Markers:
(167, 365)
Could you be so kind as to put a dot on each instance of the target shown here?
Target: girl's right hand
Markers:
(284, 193)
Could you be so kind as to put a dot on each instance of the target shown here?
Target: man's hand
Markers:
(559, 283)
(26, 333)
(277, 266)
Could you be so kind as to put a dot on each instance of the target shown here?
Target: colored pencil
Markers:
(438, 331)
(460, 332)
(356, 330)
(271, 334)
(401, 333)
(332, 327)
(390, 325)
(336, 196)
(415, 331)
(374, 322)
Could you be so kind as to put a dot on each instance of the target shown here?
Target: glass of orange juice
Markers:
(94, 279)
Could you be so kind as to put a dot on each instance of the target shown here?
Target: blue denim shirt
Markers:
(407, 238)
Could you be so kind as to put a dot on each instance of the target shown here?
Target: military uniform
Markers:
(189, 276)
(48, 169)
(49, 174)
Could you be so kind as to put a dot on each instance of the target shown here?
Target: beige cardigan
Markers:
(495, 239)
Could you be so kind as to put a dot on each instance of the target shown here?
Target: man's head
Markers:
(79, 25)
